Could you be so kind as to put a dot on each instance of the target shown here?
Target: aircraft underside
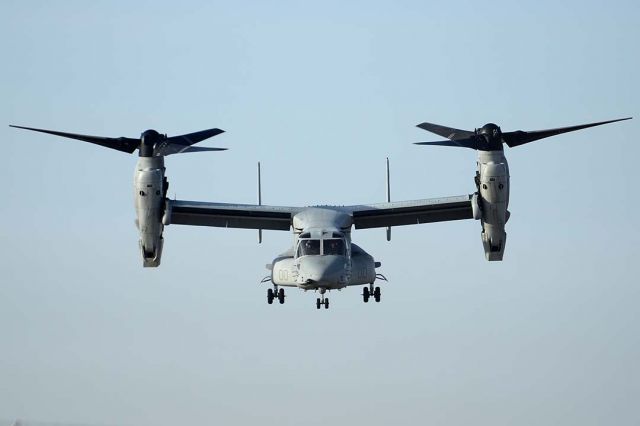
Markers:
(368, 291)
(322, 273)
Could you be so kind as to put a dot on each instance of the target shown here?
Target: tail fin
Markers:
(388, 198)
(259, 202)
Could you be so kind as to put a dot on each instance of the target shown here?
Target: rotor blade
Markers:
(121, 144)
(446, 132)
(181, 143)
(193, 138)
(462, 143)
(181, 149)
(520, 137)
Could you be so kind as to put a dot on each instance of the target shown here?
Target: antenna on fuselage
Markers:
(259, 202)
(388, 198)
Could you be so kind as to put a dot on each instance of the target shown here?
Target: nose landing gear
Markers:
(322, 300)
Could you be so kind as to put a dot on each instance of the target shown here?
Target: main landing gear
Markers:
(367, 292)
(274, 293)
(323, 300)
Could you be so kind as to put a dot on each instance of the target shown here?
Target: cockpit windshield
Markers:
(333, 246)
(330, 246)
(309, 248)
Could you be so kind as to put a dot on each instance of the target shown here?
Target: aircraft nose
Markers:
(328, 269)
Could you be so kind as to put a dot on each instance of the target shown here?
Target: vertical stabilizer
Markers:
(388, 198)
(259, 201)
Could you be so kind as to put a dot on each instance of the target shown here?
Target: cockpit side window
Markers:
(333, 246)
(309, 248)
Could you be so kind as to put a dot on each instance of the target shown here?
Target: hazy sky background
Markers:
(320, 93)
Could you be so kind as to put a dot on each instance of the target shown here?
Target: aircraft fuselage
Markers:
(323, 256)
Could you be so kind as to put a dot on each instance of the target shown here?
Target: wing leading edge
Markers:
(251, 216)
(248, 216)
(411, 212)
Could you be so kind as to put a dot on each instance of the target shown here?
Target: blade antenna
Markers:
(259, 201)
(388, 198)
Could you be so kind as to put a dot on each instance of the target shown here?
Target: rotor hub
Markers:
(491, 136)
(148, 141)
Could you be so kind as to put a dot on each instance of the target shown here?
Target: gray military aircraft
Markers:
(322, 257)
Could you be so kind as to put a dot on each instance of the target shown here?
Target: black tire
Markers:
(365, 294)
(318, 303)
(270, 296)
(326, 303)
(377, 294)
(281, 296)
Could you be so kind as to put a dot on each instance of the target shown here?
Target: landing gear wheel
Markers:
(270, 296)
(376, 294)
(365, 294)
(281, 296)
(326, 303)
(318, 303)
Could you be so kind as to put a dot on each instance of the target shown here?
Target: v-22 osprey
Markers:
(323, 256)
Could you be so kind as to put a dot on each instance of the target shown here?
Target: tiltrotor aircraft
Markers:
(322, 256)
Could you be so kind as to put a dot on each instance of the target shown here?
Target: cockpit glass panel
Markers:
(309, 248)
(333, 246)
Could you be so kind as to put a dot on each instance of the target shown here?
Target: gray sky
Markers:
(321, 94)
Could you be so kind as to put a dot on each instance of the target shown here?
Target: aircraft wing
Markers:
(248, 216)
(411, 212)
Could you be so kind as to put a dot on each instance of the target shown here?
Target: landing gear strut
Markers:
(275, 293)
(367, 292)
(323, 300)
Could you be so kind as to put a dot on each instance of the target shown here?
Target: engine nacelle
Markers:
(492, 201)
(149, 195)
